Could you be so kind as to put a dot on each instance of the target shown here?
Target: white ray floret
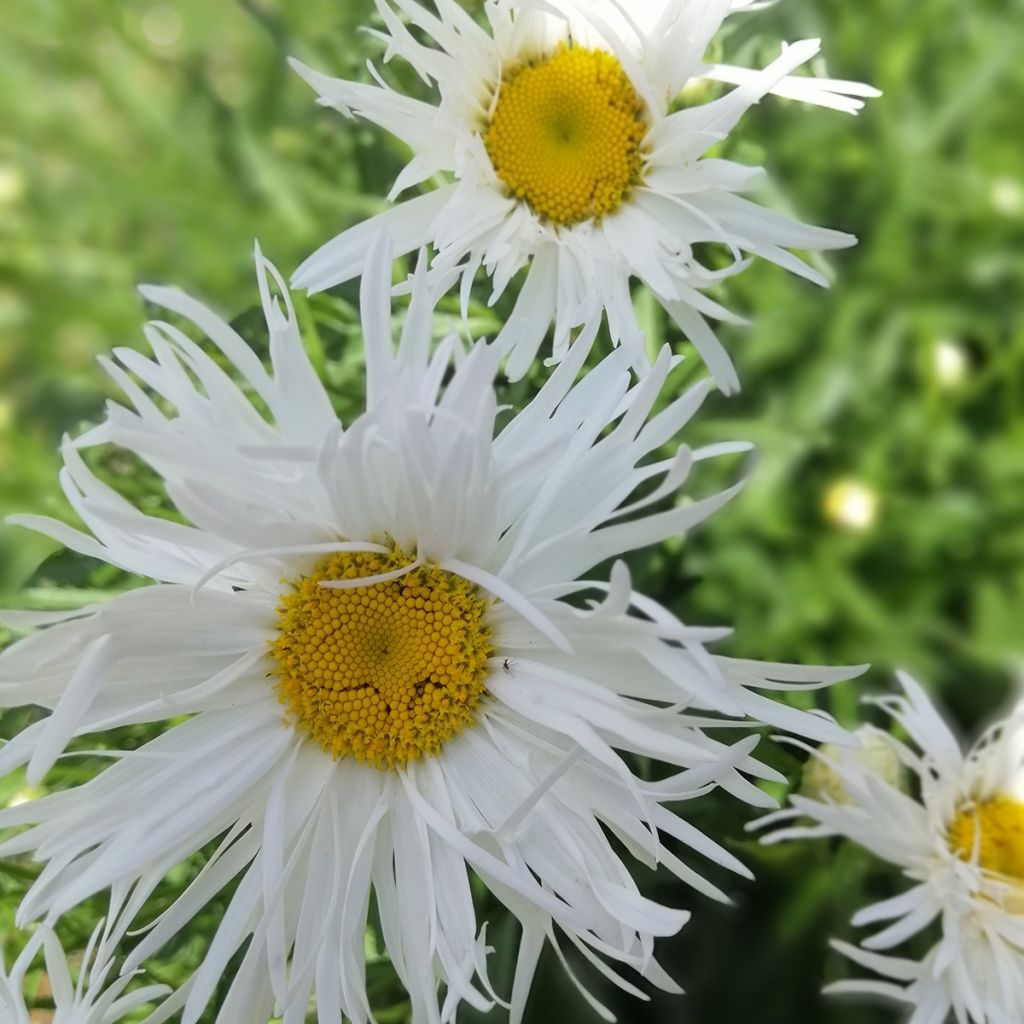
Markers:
(509, 514)
(98, 997)
(589, 185)
(958, 834)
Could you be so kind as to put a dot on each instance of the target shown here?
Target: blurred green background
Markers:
(884, 521)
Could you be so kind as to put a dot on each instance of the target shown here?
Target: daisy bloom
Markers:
(556, 131)
(99, 997)
(394, 665)
(958, 835)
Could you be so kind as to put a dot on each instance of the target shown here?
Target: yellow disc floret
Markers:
(565, 134)
(996, 829)
(388, 672)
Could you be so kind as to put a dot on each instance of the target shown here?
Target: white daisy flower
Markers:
(99, 996)
(563, 152)
(959, 840)
(381, 635)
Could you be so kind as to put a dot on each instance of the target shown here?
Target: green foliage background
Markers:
(148, 141)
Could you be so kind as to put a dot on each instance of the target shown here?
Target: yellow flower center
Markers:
(566, 132)
(388, 672)
(996, 828)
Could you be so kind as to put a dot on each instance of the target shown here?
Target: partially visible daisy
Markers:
(397, 662)
(959, 839)
(557, 132)
(99, 997)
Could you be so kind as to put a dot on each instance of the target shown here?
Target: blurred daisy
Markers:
(557, 132)
(959, 841)
(98, 998)
(382, 635)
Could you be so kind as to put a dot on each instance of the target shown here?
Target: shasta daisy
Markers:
(395, 663)
(958, 836)
(563, 151)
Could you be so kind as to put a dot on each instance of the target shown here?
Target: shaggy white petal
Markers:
(99, 997)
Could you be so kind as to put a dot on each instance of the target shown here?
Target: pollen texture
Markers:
(996, 827)
(384, 673)
(565, 134)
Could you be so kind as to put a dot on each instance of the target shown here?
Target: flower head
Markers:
(960, 842)
(557, 128)
(395, 659)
